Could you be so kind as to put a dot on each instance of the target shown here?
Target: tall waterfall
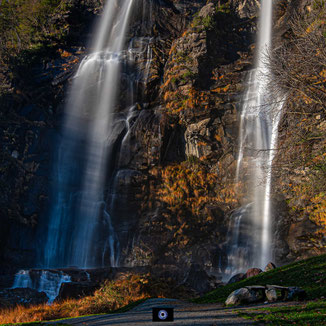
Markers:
(250, 242)
(79, 219)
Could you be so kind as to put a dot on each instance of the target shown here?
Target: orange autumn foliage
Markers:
(190, 187)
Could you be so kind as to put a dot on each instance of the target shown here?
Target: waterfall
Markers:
(239, 246)
(42, 281)
(78, 218)
(259, 120)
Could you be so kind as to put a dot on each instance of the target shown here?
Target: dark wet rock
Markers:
(296, 293)
(61, 77)
(76, 290)
(237, 278)
(253, 272)
(21, 296)
(168, 272)
(241, 296)
(199, 280)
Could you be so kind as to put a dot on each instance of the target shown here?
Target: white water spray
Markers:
(76, 219)
(260, 116)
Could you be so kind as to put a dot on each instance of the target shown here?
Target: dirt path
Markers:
(184, 314)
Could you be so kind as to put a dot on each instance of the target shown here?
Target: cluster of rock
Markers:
(257, 293)
(250, 273)
(261, 293)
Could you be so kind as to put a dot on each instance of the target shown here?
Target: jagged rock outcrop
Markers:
(245, 8)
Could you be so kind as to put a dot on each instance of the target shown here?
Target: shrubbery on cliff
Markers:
(299, 70)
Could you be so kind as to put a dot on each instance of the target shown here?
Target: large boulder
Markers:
(253, 272)
(269, 267)
(241, 296)
(76, 290)
(271, 294)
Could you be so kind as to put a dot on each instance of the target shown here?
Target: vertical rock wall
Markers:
(173, 177)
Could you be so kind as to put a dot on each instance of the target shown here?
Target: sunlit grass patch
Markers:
(312, 313)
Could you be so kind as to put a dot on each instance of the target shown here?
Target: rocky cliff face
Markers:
(182, 218)
(172, 176)
(299, 189)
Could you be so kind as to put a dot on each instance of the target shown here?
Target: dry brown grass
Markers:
(111, 296)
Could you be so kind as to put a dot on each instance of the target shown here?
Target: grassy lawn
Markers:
(312, 314)
(309, 274)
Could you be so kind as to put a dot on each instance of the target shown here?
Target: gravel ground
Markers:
(184, 314)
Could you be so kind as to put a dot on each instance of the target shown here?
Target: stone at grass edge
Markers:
(271, 294)
(269, 267)
(253, 272)
(241, 296)
(296, 293)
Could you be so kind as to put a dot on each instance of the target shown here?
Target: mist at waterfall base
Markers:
(249, 239)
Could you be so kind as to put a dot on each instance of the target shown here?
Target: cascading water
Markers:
(78, 215)
(80, 230)
(260, 116)
(42, 281)
(239, 245)
(78, 220)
